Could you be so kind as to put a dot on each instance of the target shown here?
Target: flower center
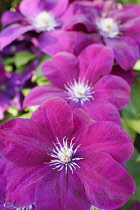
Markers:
(11, 206)
(25, 208)
(44, 21)
(107, 27)
(79, 91)
(64, 156)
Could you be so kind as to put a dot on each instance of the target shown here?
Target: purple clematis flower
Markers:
(37, 15)
(84, 82)
(64, 159)
(116, 27)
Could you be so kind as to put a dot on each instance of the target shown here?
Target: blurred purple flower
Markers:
(116, 27)
(136, 205)
(84, 82)
(38, 15)
(66, 159)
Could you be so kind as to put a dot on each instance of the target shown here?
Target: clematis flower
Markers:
(37, 15)
(116, 27)
(84, 82)
(66, 159)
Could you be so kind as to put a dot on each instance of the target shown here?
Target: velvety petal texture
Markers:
(113, 188)
(114, 89)
(95, 61)
(62, 158)
(60, 69)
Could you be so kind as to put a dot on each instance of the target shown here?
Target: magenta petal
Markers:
(113, 89)
(80, 14)
(24, 142)
(74, 42)
(95, 61)
(129, 75)
(10, 17)
(58, 190)
(11, 33)
(126, 51)
(132, 29)
(60, 7)
(22, 184)
(40, 94)
(107, 137)
(55, 115)
(30, 8)
(81, 121)
(101, 110)
(107, 183)
(61, 69)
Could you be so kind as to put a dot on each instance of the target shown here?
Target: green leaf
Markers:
(128, 129)
(137, 65)
(22, 58)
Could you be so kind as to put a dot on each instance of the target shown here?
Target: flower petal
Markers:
(107, 183)
(132, 29)
(129, 75)
(113, 89)
(22, 184)
(24, 142)
(126, 51)
(55, 115)
(101, 110)
(95, 61)
(74, 42)
(40, 94)
(60, 7)
(61, 69)
(107, 137)
(81, 121)
(11, 33)
(10, 17)
(58, 190)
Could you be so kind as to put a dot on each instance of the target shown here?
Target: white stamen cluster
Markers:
(79, 91)
(108, 27)
(25, 208)
(44, 21)
(63, 156)
(11, 206)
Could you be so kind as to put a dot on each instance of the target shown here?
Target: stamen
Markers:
(63, 155)
(108, 27)
(44, 21)
(79, 91)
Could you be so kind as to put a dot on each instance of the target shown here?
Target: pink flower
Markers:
(66, 159)
(84, 82)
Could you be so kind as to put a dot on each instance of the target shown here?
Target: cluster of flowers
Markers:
(70, 154)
